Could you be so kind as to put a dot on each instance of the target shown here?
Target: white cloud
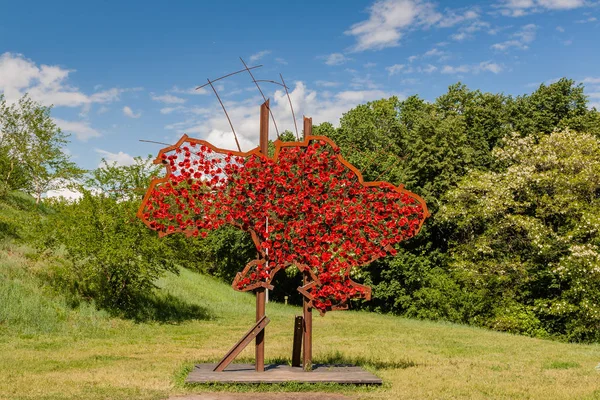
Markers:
(81, 129)
(370, 65)
(390, 19)
(335, 59)
(257, 56)
(586, 20)
(67, 194)
(387, 20)
(448, 69)
(460, 36)
(521, 39)
(327, 83)
(186, 110)
(46, 84)
(281, 61)
(560, 29)
(169, 110)
(466, 32)
(394, 69)
(122, 159)
(485, 66)
(591, 80)
(191, 90)
(127, 111)
(489, 66)
(435, 52)
(454, 18)
(167, 98)
(519, 8)
(561, 4)
(428, 69)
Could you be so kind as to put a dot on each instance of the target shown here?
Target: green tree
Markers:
(526, 237)
(124, 182)
(32, 151)
(114, 258)
(558, 105)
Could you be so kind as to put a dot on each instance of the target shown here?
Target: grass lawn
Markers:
(48, 351)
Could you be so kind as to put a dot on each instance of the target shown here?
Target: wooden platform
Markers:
(277, 373)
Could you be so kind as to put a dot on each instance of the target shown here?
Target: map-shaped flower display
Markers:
(306, 206)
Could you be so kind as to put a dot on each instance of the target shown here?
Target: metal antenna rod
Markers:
(227, 115)
(228, 75)
(292, 107)
(152, 141)
(270, 81)
(262, 94)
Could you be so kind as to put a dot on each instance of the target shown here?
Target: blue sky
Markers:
(118, 72)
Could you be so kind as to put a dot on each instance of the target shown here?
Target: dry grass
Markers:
(417, 359)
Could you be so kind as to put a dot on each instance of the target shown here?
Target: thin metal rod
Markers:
(307, 331)
(227, 115)
(270, 81)
(262, 94)
(292, 107)
(228, 75)
(152, 141)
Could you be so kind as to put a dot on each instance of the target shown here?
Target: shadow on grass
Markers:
(167, 309)
(339, 359)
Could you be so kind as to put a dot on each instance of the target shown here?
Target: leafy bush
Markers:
(528, 235)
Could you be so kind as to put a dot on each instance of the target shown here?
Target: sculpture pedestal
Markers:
(278, 373)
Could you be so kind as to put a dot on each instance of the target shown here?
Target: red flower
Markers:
(320, 214)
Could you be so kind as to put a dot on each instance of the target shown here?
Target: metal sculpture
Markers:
(305, 206)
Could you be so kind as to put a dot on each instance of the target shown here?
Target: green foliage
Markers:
(32, 156)
(124, 182)
(114, 258)
(430, 147)
(527, 236)
(559, 105)
(511, 245)
(28, 306)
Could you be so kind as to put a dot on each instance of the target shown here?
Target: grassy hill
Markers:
(52, 350)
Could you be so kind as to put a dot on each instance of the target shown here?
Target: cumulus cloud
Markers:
(191, 90)
(81, 129)
(120, 158)
(520, 39)
(519, 8)
(47, 84)
(484, 66)
(387, 21)
(128, 112)
(64, 193)
(257, 56)
(395, 69)
(390, 19)
(167, 98)
(335, 59)
(327, 83)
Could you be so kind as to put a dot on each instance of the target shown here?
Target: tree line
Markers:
(513, 185)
